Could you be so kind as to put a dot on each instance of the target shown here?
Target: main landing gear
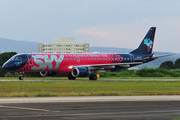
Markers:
(70, 77)
(21, 76)
(93, 77)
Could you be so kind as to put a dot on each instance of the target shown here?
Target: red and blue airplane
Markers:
(82, 64)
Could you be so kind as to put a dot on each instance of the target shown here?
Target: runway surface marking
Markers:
(95, 114)
(88, 99)
(35, 109)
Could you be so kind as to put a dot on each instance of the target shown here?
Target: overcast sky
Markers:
(102, 23)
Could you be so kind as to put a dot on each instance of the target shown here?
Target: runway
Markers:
(91, 107)
(101, 110)
(31, 80)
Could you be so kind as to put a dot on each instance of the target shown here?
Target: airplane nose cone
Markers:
(4, 66)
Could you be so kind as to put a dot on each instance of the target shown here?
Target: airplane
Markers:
(82, 64)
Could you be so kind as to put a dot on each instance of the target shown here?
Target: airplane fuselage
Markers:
(63, 62)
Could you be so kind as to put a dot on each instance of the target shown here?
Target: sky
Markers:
(102, 23)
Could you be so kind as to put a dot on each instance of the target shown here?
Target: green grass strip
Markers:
(88, 88)
(85, 78)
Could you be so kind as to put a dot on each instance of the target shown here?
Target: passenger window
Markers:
(84, 58)
(97, 58)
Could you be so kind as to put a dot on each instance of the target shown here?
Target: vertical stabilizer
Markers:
(146, 45)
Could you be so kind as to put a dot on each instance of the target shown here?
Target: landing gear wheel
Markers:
(21, 77)
(93, 77)
(70, 77)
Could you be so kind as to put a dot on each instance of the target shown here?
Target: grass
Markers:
(177, 118)
(64, 78)
(88, 88)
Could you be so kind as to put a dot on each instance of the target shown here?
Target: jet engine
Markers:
(80, 72)
(46, 73)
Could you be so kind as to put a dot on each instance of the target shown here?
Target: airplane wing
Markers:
(155, 57)
(110, 65)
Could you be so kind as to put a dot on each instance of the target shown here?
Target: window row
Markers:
(63, 45)
(85, 58)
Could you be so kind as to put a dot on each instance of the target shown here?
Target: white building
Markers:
(63, 45)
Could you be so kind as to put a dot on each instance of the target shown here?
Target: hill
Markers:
(8, 45)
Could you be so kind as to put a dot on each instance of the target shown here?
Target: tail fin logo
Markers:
(149, 43)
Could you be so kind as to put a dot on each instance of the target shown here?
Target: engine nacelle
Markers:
(80, 72)
(46, 73)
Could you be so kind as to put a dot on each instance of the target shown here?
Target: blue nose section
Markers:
(5, 66)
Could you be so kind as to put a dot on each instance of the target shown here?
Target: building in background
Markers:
(63, 45)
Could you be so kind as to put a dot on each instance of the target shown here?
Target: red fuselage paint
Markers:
(61, 62)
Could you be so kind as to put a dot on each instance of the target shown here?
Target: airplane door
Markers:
(132, 57)
(78, 60)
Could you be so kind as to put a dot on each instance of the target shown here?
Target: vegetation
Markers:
(177, 118)
(88, 88)
(170, 65)
(167, 65)
(147, 72)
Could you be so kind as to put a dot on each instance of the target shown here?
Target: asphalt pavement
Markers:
(107, 110)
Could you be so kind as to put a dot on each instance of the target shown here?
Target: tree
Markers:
(2, 72)
(177, 64)
(167, 65)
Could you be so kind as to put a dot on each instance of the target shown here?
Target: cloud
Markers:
(95, 31)
(130, 35)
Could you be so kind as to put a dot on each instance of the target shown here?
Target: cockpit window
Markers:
(17, 59)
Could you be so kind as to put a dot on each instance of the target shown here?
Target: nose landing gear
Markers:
(21, 75)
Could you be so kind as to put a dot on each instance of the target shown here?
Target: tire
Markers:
(21, 77)
(93, 77)
(70, 77)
